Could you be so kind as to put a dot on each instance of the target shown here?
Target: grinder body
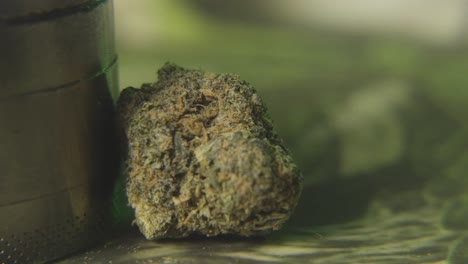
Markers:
(58, 153)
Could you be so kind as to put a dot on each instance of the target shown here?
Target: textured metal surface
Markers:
(57, 150)
(42, 229)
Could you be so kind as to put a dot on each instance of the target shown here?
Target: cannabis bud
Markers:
(203, 157)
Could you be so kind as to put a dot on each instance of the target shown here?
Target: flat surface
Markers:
(403, 238)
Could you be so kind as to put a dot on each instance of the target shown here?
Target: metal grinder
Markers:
(58, 154)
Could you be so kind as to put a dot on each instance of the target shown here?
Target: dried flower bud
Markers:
(203, 157)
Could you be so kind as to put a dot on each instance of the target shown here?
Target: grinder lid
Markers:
(53, 43)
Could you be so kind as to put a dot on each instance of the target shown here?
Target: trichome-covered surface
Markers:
(203, 157)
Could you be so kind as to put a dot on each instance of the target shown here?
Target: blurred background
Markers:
(370, 96)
